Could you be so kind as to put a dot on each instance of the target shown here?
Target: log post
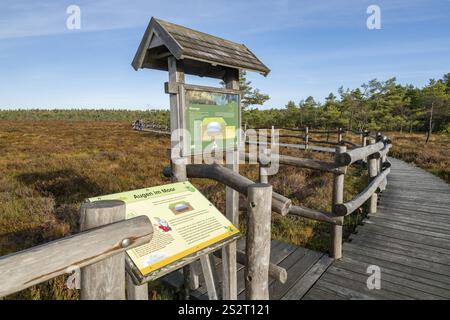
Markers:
(178, 162)
(306, 138)
(104, 280)
(340, 134)
(379, 139)
(263, 167)
(229, 266)
(338, 198)
(263, 177)
(258, 241)
(373, 172)
(176, 75)
(365, 136)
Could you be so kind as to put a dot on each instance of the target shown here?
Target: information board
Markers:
(212, 119)
(184, 222)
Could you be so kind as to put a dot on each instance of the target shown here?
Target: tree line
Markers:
(375, 105)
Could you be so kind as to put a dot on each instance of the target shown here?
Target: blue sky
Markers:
(312, 47)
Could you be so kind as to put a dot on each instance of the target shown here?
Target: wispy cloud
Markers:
(22, 18)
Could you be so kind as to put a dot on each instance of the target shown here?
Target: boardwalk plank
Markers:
(427, 231)
(366, 256)
(401, 249)
(396, 277)
(302, 286)
(388, 289)
(408, 239)
(295, 272)
(371, 236)
(399, 258)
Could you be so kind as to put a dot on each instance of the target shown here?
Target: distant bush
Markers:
(155, 116)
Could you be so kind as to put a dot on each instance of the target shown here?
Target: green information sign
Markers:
(212, 120)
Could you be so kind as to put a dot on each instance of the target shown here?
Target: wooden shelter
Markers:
(202, 54)
(180, 50)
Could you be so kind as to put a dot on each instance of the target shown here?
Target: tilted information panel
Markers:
(184, 223)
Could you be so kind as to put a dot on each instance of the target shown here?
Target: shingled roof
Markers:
(202, 54)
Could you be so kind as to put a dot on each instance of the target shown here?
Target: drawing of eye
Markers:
(213, 128)
(181, 207)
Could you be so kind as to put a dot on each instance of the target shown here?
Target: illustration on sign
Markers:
(184, 222)
(212, 119)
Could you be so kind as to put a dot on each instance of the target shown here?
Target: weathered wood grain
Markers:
(343, 209)
(280, 204)
(314, 215)
(298, 290)
(407, 238)
(136, 292)
(229, 285)
(258, 241)
(338, 199)
(32, 266)
(351, 156)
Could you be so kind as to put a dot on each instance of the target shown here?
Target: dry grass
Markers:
(433, 156)
(47, 168)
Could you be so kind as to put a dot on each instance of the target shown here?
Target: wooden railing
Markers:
(98, 252)
(260, 205)
(372, 152)
(308, 140)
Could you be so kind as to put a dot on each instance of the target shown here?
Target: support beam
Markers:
(373, 172)
(136, 292)
(178, 162)
(229, 266)
(210, 280)
(338, 198)
(258, 242)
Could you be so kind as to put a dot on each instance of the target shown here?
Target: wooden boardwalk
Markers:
(408, 238)
(304, 267)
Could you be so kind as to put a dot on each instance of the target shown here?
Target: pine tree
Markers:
(250, 96)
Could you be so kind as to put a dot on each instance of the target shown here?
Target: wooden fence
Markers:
(99, 250)
(372, 152)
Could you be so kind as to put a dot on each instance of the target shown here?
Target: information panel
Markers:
(184, 222)
(212, 119)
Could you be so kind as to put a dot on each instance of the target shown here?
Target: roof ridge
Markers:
(191, 45)
(201, 32)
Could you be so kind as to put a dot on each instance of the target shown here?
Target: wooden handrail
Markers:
(331, 143)
(280, 204)
(350, 143)
(298, 162)
(313, 214)
(29, 267)
(347, 208)
(351, 156)
(383, 152)
(283, 136)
